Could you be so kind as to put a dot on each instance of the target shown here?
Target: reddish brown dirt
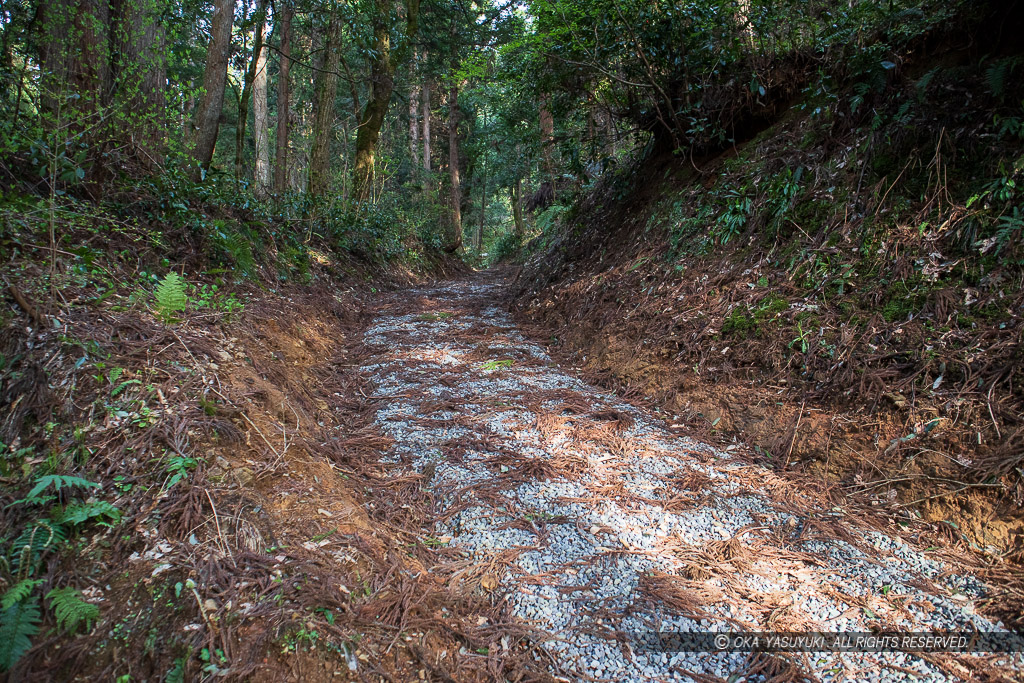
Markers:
(605, 297)
(299, 546)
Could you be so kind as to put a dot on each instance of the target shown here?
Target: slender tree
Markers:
(261, 125)
(260, 18)
(479, 233)
(323, 109)
(414, 124)
(547, 135)
(214, 80)
(455, 239)
(516, 192)
(425, 115)
(283, 94)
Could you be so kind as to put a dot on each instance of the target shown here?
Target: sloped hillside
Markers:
(842, 290)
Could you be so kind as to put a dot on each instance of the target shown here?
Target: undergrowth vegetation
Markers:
(159, 257)
(860, 254)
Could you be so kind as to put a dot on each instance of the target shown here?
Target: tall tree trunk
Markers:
(323, 110)
(140, 75)
(547, 134)
(414, 124)
(425, 114)
(478, 235)
(261, 126)
(455, 241)
(283, 93)
(517, 207)
(247, 85)
(382, 76)
(214, 79)
(75, 55)
(610, 122)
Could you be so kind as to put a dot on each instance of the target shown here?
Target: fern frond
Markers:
(58, 481)
(18, 592)
(122, 386)
(176, 674)
(996, 77)
(236, 247)
(170, 297)
(18, 623)
(28, 548)
(79, 512)
(70, 610)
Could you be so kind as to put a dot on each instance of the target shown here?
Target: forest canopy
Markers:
(442, 117)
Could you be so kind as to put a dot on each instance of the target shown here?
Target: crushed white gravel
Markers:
(586, 546)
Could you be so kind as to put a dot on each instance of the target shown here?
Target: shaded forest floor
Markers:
(590, 521)
(343, 482)
(842, 290)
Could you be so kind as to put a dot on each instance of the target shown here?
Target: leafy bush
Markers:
(506, 248)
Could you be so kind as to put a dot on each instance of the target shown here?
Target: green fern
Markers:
(79, 512)
(58, 481)
(1000, 73)
(170, 297)
(29, 547)
(18, 623)
(236, 248)
(70, 610)
(18, 592)
(996, 77)
(177, 672)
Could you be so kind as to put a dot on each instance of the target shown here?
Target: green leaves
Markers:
(70, 610)
(170, 297)
(57, 481)
(18, 623)
(29, 546)
(18, 592)
(80, 512)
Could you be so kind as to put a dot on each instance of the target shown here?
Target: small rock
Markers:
(244, 476)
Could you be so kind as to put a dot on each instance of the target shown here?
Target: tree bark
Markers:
(261, 126)
(478, 235)
(455, 241)
(323, 110)
(140, 75)
(283, 93)
(425, 115)
(382, 76)
(247, 85)
(414, 124)
(517, 207)
(214, 79)
(74, 47)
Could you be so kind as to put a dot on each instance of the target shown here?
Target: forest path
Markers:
(594, 520)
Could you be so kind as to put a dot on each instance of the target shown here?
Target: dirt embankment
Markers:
(850, 318)
(880, 451)
(237, 522)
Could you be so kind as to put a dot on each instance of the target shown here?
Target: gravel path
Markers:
(601, 522)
